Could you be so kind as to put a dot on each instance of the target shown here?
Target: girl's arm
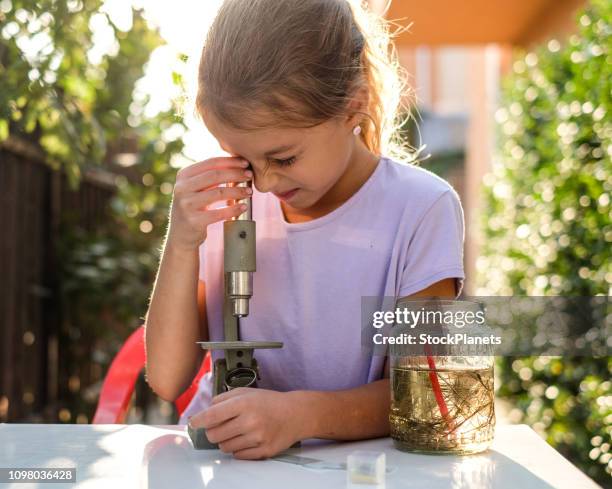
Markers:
(353, 414)
(173, 324)
(359, 413)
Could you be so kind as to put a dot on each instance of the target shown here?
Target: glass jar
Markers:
(442, 393)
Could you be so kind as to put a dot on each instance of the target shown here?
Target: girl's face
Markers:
(309, 161)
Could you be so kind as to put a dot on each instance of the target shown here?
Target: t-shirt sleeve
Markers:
(435, 251)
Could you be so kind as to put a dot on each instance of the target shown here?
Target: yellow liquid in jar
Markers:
(465, 425)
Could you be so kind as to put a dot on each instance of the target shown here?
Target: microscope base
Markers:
(199, 440)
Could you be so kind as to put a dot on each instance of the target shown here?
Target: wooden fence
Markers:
(33, 201)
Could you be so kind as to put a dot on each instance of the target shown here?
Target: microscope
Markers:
(239, 367)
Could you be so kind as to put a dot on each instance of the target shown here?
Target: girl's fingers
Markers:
(200, 200)
(224, 213)
(210, 163)
(254, 453)
(225, 431)
(224, 396)
(216, 415)
(238, 443)
(212, 178)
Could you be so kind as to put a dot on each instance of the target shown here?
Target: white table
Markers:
(139, 456)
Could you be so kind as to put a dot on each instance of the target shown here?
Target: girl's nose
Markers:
(264, 181)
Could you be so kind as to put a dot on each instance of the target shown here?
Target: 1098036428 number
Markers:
(37, 474)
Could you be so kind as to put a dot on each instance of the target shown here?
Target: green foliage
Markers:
(113, 267)
(82, 110)
(547, 227)
(69, 104)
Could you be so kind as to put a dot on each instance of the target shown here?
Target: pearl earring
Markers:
(357, 130)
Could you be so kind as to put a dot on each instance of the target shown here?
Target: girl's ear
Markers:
(357, 107)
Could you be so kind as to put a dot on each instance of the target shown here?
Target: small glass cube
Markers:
(366, 467)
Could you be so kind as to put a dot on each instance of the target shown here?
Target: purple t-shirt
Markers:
(401, 232)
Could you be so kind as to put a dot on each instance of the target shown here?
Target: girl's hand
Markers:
(197, 187)
(251, 423)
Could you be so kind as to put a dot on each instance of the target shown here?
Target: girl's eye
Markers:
(285, 162)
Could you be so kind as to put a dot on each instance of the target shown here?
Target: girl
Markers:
(305, 94)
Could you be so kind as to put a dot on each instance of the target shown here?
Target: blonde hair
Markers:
(297, 63)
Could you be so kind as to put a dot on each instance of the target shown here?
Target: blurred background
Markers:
(511, 99)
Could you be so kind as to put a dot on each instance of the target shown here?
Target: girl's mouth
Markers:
(287, 195)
